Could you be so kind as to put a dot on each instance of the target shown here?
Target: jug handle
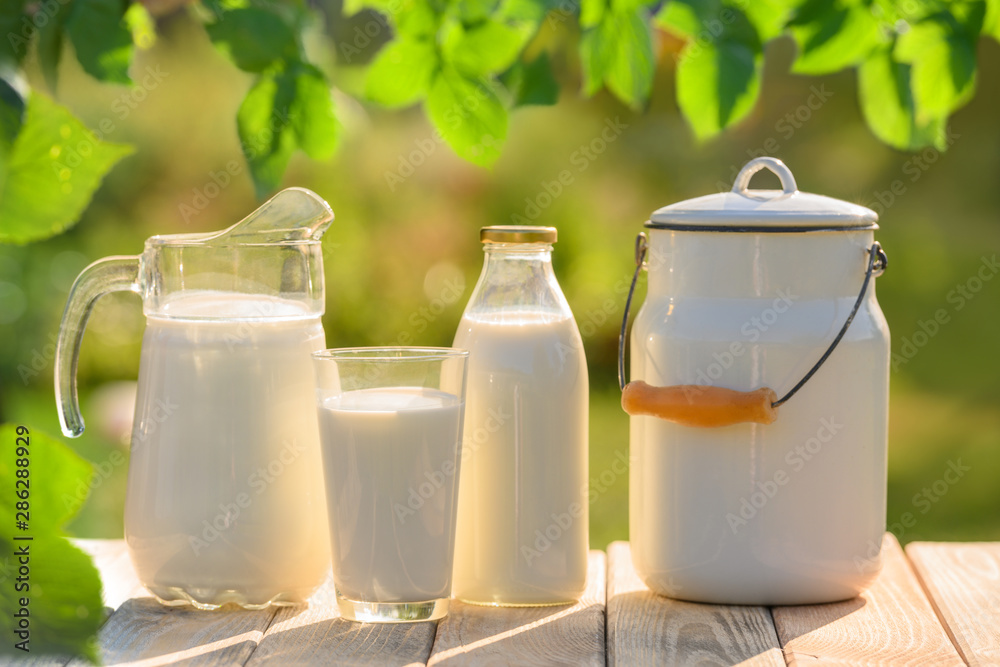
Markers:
(112, 274)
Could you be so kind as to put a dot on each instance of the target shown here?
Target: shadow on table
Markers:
(143, 629)
(565, 635)
(795, 621)
(644, 628)
(300, 638)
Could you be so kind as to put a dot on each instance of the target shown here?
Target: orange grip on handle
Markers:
(697, 405)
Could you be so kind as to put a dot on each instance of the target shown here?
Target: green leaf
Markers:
(469, 116)
(473, 11)
(253, 37)
(833, 35)
(532, 83)
(486, 48)
(102, 42)
(717, 84)
(66, 480)
(311, 111)
(49, 46)
(15, 37)
(412, 18)
(11, 119)
(141, 24)
(719, 69)
(531, 12)
(711, 20)
(65, 595)
(55, 165)
(352, 7)
(991, 22)
(416, 18)
(768, 17)
(942, 52)
(591, 12)
(65, 589)
(684, 18)
(401, 73)
(266, 135)
(618, 53)
(887, 104)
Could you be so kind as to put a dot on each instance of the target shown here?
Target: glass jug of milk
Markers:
(225, 499)
(522, 534)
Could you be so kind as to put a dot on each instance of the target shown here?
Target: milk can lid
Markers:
(742, 209)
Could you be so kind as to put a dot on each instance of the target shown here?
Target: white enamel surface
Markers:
(771, 208)
(708, 520)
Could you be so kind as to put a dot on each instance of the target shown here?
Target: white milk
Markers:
(225, 493)
(522, 517)
(391, 455)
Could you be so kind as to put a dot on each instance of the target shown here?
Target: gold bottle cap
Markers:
(517, 234)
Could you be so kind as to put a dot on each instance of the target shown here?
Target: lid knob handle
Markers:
(777, 167)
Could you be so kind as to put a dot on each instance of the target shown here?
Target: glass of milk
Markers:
(390, 431)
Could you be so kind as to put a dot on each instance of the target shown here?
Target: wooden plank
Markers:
(963, 582)
(646, 629)
(564, 635)
(892, 623)
(120, 582)
(317, 635)
(144, 633)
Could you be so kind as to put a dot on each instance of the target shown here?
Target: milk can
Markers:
(759, 398)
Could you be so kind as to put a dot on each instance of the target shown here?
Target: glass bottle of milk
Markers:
(521, 537)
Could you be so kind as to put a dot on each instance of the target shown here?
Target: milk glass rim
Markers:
(392, 354)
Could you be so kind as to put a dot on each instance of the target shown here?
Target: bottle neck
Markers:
(518, 252)
(517, 277)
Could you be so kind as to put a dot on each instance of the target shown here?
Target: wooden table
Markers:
(937, 604)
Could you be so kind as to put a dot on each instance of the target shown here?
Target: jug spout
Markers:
(294, 214)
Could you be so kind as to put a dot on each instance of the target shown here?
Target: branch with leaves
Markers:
(468, 63)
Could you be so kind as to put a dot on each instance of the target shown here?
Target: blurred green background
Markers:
(408, 213)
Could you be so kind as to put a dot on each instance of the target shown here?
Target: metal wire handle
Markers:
(877, 263)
